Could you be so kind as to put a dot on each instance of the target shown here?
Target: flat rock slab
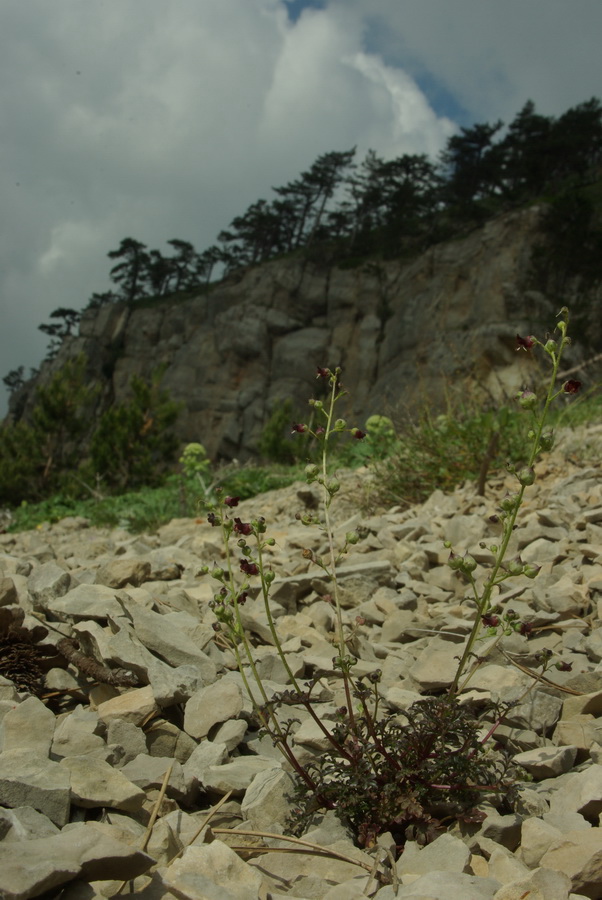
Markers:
(26, 780)
(79, 851)
(94, 783)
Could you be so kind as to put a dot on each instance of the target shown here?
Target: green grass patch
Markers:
(150, 507)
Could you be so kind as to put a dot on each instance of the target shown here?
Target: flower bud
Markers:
(340, 425)
(531, 571)
(269, 576)
(217, 573)
(551, 346)
(509, 502)
(526, 476)
(527, 399)
(333, 486)
(515, 566)
(547, 440)
(469, 563)
(352, 537)
(454, 561)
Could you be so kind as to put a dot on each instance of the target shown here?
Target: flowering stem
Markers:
(483, 601)
(327, 495)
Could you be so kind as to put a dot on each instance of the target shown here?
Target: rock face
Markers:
(398, 330)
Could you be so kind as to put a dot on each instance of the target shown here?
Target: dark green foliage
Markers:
(275, 443)
(15, 379)
(569, 259)
(132, 443)
(36, 455)
(250, 480)
(58, 331)
(21, 463)
(442, 451)
(387, 773)
(62, 448)
(132, 272)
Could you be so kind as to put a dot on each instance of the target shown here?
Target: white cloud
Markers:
(158, 120)
(492, 56)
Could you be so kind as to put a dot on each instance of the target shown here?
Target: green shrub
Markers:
(441, 451)
(275, 444)
(36, 456)
(133, 442)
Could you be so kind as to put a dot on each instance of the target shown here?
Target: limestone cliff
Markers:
(399, 331)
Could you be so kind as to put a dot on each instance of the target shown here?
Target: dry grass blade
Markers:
(204, 824)
(541, 678)
(153, 818)
(301, 846)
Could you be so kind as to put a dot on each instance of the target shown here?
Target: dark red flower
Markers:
(249, 568)
(360, 435)
(232, 501)
(571, 386)
(526, 628)
(298, 427)
(242, 527)
(242, 598)
(564, 666)
(320, 429)
(213, 519)
(323, 373)
(524, 343)
(490, 621)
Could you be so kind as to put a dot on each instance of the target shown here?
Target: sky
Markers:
(161, 119)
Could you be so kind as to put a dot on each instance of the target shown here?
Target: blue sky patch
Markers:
(294, 8)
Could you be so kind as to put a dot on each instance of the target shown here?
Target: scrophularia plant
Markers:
(541, 438)
(380, 772)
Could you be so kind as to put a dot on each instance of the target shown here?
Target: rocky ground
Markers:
(139, 729)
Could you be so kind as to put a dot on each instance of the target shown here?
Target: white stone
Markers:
(211, 705)
(212, 872)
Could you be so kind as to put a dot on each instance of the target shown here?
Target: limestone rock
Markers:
(268, 799)
(79, 851)
(542, 884)
(236, 775)
(27, 780)
(581, 793)
(120, 572)
(546, 762)
(28, 727)
(211, 705)
(445, 854)
(24, 823)
(579, 855)
(444, 886)
(93, 782)
(212, 872)
(86, 601)
(134, 706)
(48, 582)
